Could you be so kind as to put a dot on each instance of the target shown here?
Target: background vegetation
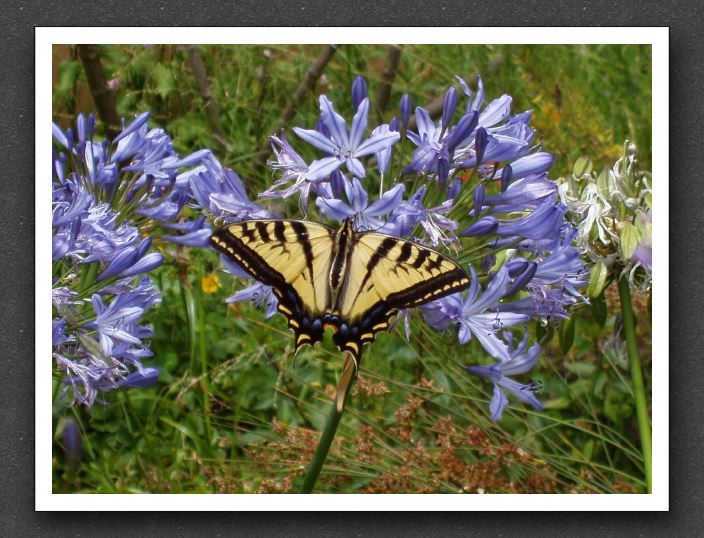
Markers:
(232, 413)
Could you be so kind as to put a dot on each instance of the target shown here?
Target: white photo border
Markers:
(657, 37)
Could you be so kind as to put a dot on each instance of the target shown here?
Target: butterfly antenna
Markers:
(349, 372)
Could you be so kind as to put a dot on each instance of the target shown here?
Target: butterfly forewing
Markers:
(291, 256)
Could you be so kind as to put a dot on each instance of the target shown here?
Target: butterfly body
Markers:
(352, 282)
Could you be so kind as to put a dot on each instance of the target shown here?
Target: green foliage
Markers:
(233, 413)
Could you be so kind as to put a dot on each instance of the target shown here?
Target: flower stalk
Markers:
(629, 332)
(328, 435)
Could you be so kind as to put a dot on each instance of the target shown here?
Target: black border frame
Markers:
(17, 516)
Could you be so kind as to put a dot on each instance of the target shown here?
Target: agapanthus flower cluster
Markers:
(473, 183)
(109, 199)
(612, 213)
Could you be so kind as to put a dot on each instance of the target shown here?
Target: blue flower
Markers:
(359, 91)
(114, 322)
(438, 228)
(58, 332)
(365, 216)
(221, 191)
(341, 146)
(543, 223)
(477, 315)
(260, 295)
(519, 362)
(132, 261)
(523, 194)
(196, 233)
(436, 143)
(383, 157)
(292, 168)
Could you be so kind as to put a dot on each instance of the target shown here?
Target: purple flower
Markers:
(643, 253)
(71, 439)
(519, 362)
(137, 379)
(383, 157)
(438, 228)
(530, 165)
(365, 216)
(260, 295)
(359, 91)
(196, 233)
(132, 261)
(477, 315)
(543, 223)
(221, 191)
(341, 146)
(523, 194)
(406, 107)
(563, 267)
(293, 169)
(114, 322)
(58, 332)
(436, 143)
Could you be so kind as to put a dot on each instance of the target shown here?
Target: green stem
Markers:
(88, 274)
(629, 332)
(321, 453)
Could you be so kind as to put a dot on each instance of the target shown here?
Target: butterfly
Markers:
(353, 282)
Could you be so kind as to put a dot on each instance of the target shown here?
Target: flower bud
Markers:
(506, 177)
(480, 142)
(359, 91)
(406, 105)
(479, 195)
(484, 226)
(448, 106)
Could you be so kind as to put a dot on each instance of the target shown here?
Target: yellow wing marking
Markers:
(298, 251)
(384, 268)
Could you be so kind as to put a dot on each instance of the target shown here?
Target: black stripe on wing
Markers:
(306, 330)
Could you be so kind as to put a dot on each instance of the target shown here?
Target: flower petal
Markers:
(376, 143)
(334, 122)
(323, 167)
(314, 138)
(387, 203)
(355, 167)
(334, 209)
(359, 124)
(498, 404)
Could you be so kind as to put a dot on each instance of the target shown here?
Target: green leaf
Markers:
(69, 71)
(582, 369)
(557, 403)
(597, 280)
(567, 329)
(629, 240)
(602, 183)
(582, 167)
(599, 310)
(163, 79)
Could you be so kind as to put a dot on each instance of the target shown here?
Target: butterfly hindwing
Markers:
(291, 256)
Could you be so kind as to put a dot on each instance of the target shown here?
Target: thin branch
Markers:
(211, 109)
(98, 84)
(312, 75)
(384, 91)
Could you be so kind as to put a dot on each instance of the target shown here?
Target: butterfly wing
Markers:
(387, 274)
(291, 256)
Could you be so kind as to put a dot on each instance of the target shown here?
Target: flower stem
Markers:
(321, 453)
(636, 378)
